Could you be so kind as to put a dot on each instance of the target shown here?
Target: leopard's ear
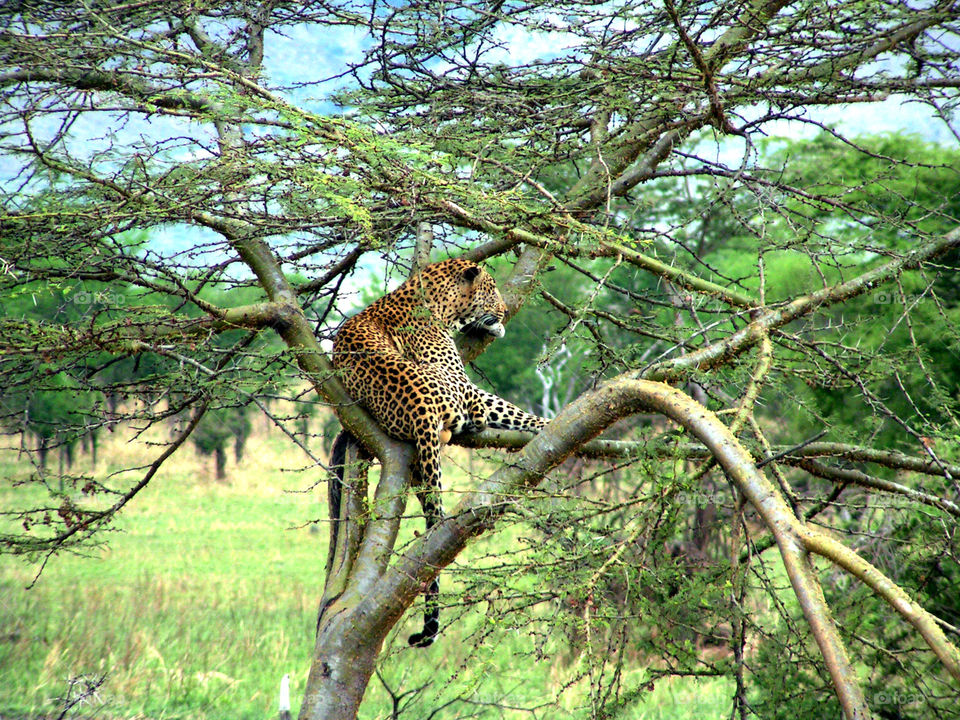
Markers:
(470, 274)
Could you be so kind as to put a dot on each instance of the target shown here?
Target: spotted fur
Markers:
(398, 358)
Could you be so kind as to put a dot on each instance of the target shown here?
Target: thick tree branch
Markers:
(581, 420)
(585, 418)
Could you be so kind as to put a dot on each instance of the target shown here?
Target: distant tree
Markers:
(727, 309)
(220, 429)
(56, 411)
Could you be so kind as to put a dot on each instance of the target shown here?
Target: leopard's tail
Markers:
(338, 458)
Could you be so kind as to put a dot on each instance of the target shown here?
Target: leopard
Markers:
(398, 358)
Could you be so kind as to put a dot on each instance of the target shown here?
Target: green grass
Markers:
(206, 595)
(195, 608)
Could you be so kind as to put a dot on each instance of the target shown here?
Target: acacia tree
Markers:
(195, 118)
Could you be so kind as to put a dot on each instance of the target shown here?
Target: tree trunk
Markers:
(221, 459)
(43, 450)
(239, 445)
(357, 609)
(344, 659)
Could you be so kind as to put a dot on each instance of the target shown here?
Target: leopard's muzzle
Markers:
(485, 325)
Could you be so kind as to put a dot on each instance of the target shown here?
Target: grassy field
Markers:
(206, 595)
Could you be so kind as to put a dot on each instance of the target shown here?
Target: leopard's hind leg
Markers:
(426, 477)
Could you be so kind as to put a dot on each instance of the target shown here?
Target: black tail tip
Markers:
(421, 640)
(425, 639)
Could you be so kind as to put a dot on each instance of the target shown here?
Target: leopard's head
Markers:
(467, 296)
